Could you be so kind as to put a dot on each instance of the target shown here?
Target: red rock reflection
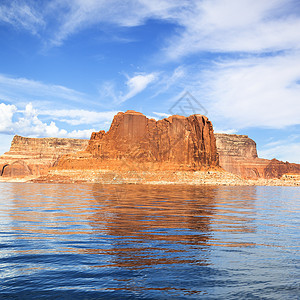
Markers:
(142, 225)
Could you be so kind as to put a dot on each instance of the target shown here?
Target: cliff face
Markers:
(238, 155)
(276, 168)
(236, 146)
(136, 142)
(34, 156)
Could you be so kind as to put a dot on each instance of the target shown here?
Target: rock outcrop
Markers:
(236, 145)
(277, 168)
(34, 156)
(145, 149)
(136, 142)
(238, 155)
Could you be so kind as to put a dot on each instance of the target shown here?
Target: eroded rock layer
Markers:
(137, 145)
(277, 168)
(136, 142)
(34, 156)
(238, 155)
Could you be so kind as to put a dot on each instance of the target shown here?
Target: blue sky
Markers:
(67, 67)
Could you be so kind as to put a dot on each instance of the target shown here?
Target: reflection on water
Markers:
(143, 241)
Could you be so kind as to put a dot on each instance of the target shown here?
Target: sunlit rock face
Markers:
(276, 169)
(34, 156)
(238, 155)
(135, 141)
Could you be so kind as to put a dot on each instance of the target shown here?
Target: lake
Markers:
(93, 241)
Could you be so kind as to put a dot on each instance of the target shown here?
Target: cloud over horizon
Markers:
(256, 92)
(28, 122)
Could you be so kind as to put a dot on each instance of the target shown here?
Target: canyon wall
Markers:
(238, 155)
(34, 156)
(136, 142)
(277, 168)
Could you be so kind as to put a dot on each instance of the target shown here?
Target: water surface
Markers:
(148, 242)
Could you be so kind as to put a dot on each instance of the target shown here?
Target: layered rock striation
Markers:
(136, 142)
(34, 156)
(277, 168)
(144, 148)
(238, 155)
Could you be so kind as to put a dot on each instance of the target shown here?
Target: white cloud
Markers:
(162, 115)
(285, 150)
(107, 91)
(227, 131)
(80, 134)
(80, 14)
(22, 89)
(172, 81)
(136, 84)
(236, 26)
(255, 92)
(22, 16)
(79, 116)
(6, 115)
(59, 19)
(28, 123)
(207, 25)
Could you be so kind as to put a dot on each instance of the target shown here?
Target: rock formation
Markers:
(34, 156)
(277, 168)
(136, 142)
(238, 155)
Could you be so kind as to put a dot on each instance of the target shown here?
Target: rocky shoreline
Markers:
(220, 178)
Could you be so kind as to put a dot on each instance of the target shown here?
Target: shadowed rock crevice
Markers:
(16, 169)
(2, 169)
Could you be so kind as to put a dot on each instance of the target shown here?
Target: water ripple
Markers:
(148, 242)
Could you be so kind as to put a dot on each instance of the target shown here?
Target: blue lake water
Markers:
(148, 242)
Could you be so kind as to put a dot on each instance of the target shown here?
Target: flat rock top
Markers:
(133, 112)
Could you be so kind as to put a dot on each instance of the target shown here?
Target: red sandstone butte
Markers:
(135, 142)
(238, 155)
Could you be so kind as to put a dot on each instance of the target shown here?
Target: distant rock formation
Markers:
(34, 156)
(238, 155)
(136, 142)
(277, 168)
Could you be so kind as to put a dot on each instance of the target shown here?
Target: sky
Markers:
(68, 66)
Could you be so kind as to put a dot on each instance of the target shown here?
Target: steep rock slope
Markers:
(136, 142)
(238, 155)
(34, 156)
(277, 168)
